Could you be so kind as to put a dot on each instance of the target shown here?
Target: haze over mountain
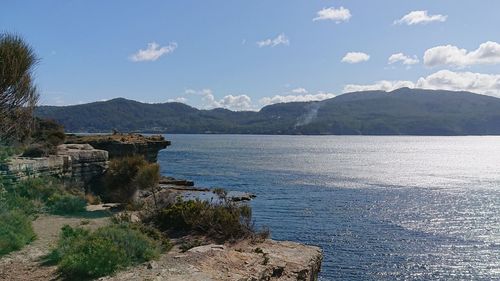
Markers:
(401, 112)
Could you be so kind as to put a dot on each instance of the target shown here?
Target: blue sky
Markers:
(246, 54)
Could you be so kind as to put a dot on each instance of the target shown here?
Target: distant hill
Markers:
(401, 112)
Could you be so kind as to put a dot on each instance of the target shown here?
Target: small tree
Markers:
(127, 175)
(18, 95)
(148, 177)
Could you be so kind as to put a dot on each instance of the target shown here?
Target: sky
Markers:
(243, 55)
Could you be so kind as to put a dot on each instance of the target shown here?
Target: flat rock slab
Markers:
(267, 260)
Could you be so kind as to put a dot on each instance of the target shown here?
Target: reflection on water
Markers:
(380, 207)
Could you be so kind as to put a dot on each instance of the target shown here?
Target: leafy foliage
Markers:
(222, 222)
(126, 175)
(15, 231)
(84, 254)
(18, 95)
(66, 204)
(47, 135)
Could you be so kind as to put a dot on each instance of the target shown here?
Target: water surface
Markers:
(381, 208)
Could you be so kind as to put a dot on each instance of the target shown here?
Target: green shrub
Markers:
(93, 257)
(137, 245)
(147, 176)
(15, 231)
(66, 204)
(227, 221)
(34, 151)
(37, 188)
(22, 204)
(126, 175)
(48, 134)
(7, 152)
(68, 238)
(84, 254)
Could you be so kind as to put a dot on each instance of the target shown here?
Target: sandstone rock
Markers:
(284, 261)
(80, 162)
(207, 248)
(121, 145)
(83, 161)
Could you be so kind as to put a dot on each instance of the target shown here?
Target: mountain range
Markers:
(400, 112)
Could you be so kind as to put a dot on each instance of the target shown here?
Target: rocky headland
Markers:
(85, 158)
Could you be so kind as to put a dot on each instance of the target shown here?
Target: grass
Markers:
(81, 254)
(21, 201)
(66, 204)
(16, 231)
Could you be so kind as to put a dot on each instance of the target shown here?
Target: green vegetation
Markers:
(66, 204)
(46, 136)
(83, 254)
(404, 111)
(126, 175)
(18, 95)
(46, 194)
(221, 222)
(21, 201)
(15, 231)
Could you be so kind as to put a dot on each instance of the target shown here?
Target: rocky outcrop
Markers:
(121, 145)
(79, 162)
(245, 261)
(23, 167)
(82, 162)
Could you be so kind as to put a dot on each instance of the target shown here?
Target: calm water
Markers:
(382, 208)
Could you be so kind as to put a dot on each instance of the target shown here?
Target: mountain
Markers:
(401, 112)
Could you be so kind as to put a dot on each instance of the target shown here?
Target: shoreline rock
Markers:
(243, 261)
(121, 145)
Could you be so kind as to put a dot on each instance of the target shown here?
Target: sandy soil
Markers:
(27, 263)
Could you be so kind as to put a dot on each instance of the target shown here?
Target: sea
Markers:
(380, 207)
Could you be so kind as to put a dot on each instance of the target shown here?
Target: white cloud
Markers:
(404, 59)
(383, 85)
(153, 52)
(281, 39)
(487, 53)
(232, 102)
(420, 17)
(299, 91)
(355, 57)
(338, 15)
(178, 99)
(295, 98)
(486, 84)
(238, 102)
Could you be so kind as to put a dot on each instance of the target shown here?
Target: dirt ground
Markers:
(27, 263)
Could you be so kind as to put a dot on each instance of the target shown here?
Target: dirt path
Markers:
(26, 264)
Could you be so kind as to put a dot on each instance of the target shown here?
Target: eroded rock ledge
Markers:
(80, 162)
(120, 145)
(244, 261)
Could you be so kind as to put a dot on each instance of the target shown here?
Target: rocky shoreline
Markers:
(247, 259)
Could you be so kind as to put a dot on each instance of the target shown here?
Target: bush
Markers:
(37, 188)
(93, 257)
(7, 152)
(66, 204)
(21, 204)
(82, 254)
(45, 138)
(15, 231)
(126, 175)
(92, 199)
(227, 221)
(34, 151)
